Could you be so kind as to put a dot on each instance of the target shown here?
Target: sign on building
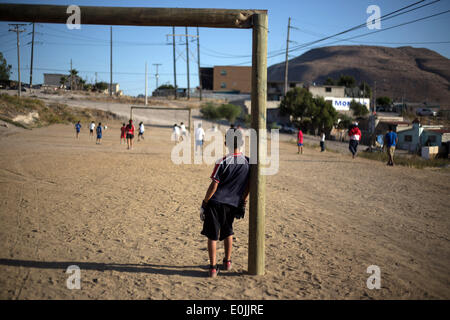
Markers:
(343, 104)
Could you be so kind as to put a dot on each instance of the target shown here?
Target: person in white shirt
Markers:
(176, 133)
(141, 131)
(183, 130)
(322, 141)
(213, 128)
(91, 129)
(199, 137)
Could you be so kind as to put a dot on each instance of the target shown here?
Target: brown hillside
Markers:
(420, 75)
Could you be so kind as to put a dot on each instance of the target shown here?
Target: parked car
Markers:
(426, 112)
(287, 129)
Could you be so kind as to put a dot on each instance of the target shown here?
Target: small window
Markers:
(292, 85)
(408, 138)
(327, 89)
(223, 72)
(223, 85)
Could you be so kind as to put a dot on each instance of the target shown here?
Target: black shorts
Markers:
(130, 136)
(218, 223)
(91, 131)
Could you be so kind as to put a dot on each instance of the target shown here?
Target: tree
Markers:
(344, 121)
(81, 83)
(314, 113)
(101, 86)
(347, 81)
(165, 87)
(209, 111)
(297, 103)
(248, 120)
(229, 112)
(63, 80)
(324, 116)
(366, 89)
(384, 101)
(73, 73)
(359, 110)
(5, 69)
(329, 82)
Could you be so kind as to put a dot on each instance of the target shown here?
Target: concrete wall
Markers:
(53, 79)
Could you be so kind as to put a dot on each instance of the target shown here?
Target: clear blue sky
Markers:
(133, 46)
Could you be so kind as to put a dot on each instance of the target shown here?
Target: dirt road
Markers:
(129, 220)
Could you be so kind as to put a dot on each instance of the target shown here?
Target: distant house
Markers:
(418, 136)
(338, 96)
(327, 91)
(54, 80)
(275, 89)
(235, 79)
(115, 89)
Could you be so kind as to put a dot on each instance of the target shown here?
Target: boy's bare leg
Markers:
(212, 248)
(228, 242)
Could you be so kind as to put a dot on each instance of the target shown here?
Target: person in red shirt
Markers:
(300, 141)
(355, 136)
(123, 133)
(130, 134)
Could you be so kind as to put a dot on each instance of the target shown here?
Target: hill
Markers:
(417, 74)
(30, 113)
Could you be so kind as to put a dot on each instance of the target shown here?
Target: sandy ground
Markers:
(129, 220)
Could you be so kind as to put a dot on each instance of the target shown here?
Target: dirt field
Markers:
(129, 220)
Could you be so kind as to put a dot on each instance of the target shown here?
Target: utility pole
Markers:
(16, 29)
(187, 60)
(157, 74)
(287, 59)
(198, 61)
(145, 82)
(375, 97)
(71, 78)
(174, 63)
(110, 67)
(31, 65)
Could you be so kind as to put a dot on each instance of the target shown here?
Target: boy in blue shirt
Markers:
(99, 133)
(225, 199)
(390, 141)
(78, 129)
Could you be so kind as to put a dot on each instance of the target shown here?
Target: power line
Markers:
(385, 17)
(309, 44)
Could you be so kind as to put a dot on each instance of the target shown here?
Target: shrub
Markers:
(229, 112)
(359, 110)
(210, 111)
(345, 121)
